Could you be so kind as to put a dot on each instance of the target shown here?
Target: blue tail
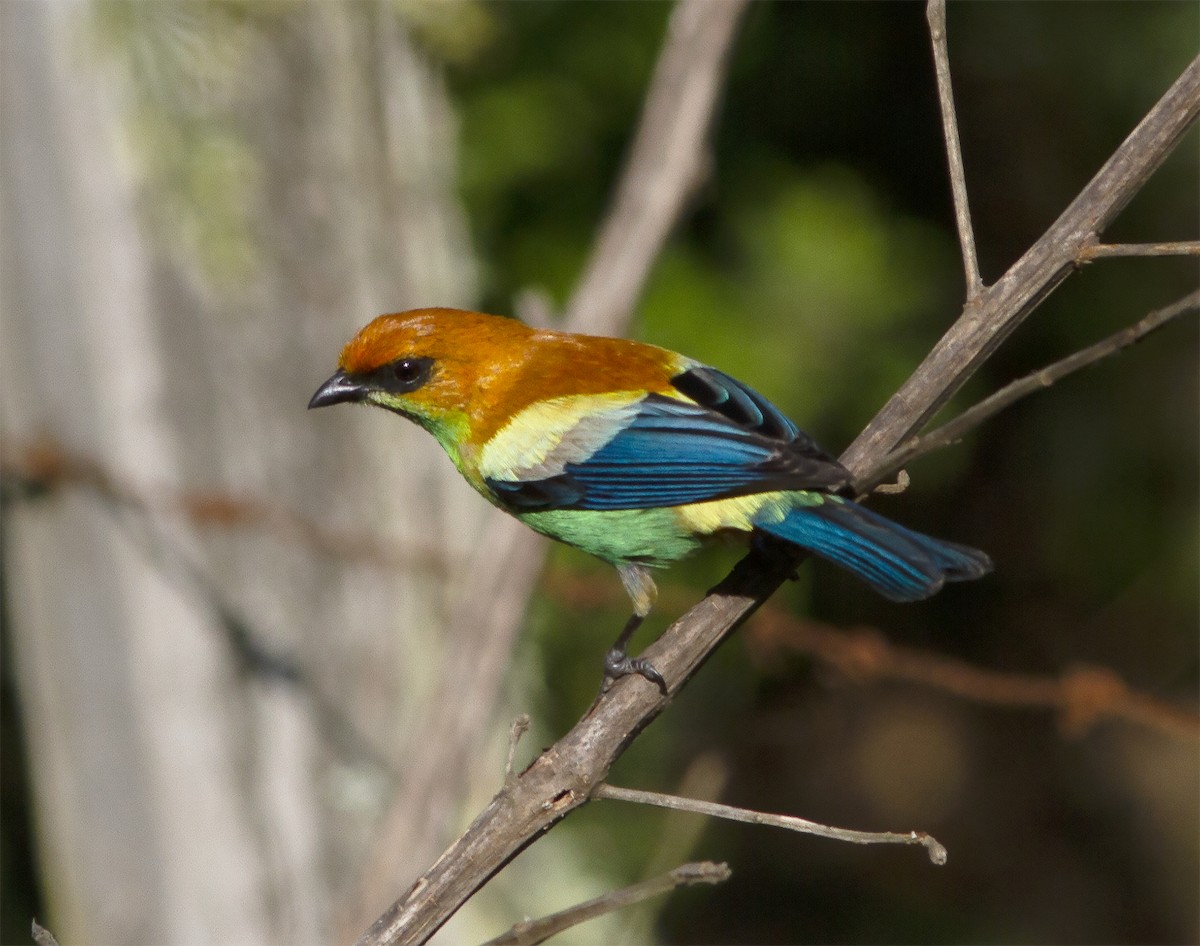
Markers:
(900, 564)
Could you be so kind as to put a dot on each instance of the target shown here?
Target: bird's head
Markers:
(428, 364)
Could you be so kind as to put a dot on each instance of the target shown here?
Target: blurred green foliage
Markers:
(181, 65)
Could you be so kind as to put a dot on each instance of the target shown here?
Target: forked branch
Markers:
(988, 320)
(953, 431)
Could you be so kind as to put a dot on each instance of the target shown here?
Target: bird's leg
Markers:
(617, 662)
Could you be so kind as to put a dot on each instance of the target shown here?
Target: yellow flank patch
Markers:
(738, 513)
(541, 438)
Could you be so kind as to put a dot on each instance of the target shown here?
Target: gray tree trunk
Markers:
(200, 206)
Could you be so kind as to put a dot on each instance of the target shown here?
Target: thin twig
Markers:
(935, 13)
(46, 463)
(1105, 250)
(937, 853)
(894, 489)
(531, 932)
(971, 418)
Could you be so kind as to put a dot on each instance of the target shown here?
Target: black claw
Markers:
(647, 670)
(619, 664)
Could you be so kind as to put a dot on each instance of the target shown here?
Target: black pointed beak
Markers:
(341, 387)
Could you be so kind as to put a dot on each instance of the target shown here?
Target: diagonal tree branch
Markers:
(563, 777)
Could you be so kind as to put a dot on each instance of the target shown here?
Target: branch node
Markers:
(937, 851)
(519, 727)
(893, 489)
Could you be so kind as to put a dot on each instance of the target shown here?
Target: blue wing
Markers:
(726, 440)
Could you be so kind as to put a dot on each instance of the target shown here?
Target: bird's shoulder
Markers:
(558, 374)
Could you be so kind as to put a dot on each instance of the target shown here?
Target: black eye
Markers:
(407, 374)
(406, 371)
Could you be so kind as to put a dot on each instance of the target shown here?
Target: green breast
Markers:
(649, 536)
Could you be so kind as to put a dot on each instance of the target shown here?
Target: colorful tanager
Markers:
(633, 453)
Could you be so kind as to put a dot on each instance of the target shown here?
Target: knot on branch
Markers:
(863, 656)
(1088, 694)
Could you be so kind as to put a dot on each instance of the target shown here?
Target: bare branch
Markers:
(937, 853)
(531, 932)
(1081, 695)
(935, 13)
(562, 777)
(666, 164)
(1106, 250)
(1039, 380)
(864, 655)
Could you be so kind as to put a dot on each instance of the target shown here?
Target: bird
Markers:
(633, 453)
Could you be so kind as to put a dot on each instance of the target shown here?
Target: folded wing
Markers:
(718, 439)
